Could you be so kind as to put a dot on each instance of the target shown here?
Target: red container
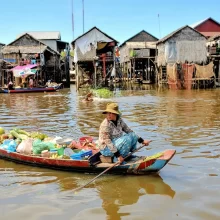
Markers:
(84, 140)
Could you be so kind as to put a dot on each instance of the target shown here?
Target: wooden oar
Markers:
(106, 170)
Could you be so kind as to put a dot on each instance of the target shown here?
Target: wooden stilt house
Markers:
(183, 46)
(137, 56)
(93, 57)
(213, 47)
(28, 50)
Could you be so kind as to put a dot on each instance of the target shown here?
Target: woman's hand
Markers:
(146, 142)
(120, 159)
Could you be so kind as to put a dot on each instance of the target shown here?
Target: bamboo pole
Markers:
(77, 76)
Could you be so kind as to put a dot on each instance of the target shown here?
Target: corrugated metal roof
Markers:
(44, 35)
(210, 34)
(198, 23)
(202, 21)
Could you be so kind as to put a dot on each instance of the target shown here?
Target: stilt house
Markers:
(28, 50)
(183, 46)
(93, 56)
(137, 56)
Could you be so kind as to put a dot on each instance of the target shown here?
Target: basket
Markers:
(80, 155)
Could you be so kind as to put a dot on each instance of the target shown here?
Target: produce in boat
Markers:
(86, 158)
(2, 131)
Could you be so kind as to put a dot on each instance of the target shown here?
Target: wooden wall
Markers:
(125, 50)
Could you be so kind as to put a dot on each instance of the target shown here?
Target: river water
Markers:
(186, 188)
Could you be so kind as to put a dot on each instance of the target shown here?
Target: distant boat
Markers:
(29, 90)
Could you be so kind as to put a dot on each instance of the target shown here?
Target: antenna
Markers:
(72, 20)
(159, 24)
(83, 14)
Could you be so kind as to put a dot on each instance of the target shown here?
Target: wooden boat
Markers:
(138, 81)
(137, 165)
(29, 90)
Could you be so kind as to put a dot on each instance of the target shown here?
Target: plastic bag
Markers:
(25, 147)
(39, 146)
(9, 145)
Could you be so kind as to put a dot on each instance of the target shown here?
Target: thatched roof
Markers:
(39, 47)
(91, 30)
(142, 36)
(2, 44)
(24, 49)
(175, 32)
(43, 35)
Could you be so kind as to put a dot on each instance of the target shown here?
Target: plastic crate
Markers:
(81, 154)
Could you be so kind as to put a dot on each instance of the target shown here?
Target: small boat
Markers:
(137, 165)
(29, 90)
(138, 81)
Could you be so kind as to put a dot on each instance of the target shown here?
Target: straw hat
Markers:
(112, 108)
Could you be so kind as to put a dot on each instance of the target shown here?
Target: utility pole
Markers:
(72, 20)
(159, 24)
(83, 14)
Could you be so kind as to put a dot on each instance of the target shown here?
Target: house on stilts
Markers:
(27, 50)
(137, 57)
(182, 59)
(213, 47)
(94, 57)
(53, 40)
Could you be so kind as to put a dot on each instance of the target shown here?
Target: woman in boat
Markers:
(116, 139)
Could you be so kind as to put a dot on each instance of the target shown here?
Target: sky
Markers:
(120, 19)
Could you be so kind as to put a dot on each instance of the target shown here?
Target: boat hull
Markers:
(141, 166)
(28, 90)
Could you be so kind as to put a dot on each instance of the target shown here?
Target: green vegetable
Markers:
(19, 131)
(38, 135)
(20, 136)
(103, 93)
(2, 131)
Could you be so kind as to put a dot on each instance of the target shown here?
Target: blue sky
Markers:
(121, 19)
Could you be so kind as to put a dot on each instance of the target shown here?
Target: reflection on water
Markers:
(125, 191)
(114, 191)
(187, 188)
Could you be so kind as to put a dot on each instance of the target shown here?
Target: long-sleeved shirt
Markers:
(109, 131)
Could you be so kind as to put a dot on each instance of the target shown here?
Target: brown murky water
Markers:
(187, 188)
